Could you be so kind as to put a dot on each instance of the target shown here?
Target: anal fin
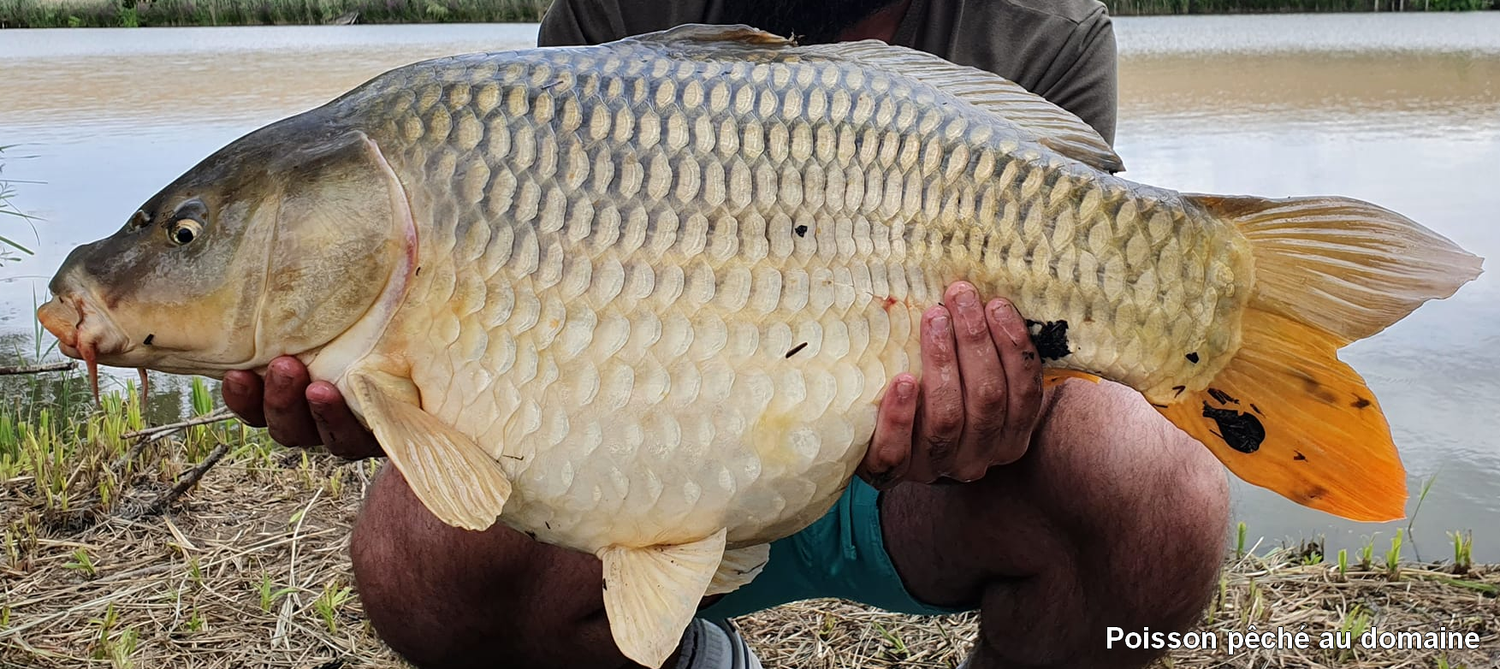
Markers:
(453, 476)
(651, 594)
(739, 567)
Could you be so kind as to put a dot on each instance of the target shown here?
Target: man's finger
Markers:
(341, 433)
(983, 380)
(290, 422)
(890, 450)
(1023, 374)
(941, 416)
(242, 394)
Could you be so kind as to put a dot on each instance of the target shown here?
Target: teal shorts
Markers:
(840, 555)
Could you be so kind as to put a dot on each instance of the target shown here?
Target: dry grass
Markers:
(249, 569)
(246, 571)
(829, 634)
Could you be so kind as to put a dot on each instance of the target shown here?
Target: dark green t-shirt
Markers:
(1062, 50)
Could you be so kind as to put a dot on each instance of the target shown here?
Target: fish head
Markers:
(275, 245)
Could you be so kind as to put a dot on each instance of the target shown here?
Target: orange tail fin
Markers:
(1285, 413)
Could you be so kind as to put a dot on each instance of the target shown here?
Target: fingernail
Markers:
(1014, 328)
(941, 324)
(966, 297)
(905, 389)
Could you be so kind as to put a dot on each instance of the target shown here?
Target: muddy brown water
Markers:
(1400, 110)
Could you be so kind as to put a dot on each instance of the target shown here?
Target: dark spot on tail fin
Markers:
(1360, 402)
(1243, 432)
(1314, 387)
(796, 349)
(1299, 456)
(1178, 390)
(1193, 357)
(1222, 397)
(149, 338)
(1050, 338)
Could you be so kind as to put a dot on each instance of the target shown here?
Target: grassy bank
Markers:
(205, 545)
(133, 13)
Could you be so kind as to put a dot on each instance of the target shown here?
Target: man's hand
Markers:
(297, 412)
(980, 396)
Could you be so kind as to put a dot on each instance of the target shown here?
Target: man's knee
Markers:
(1157, 512)
(445, 597)
(1161, 524)
(1172, 561)
(1138, 513)
(409, 585)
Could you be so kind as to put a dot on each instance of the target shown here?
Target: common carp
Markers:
(641, 299)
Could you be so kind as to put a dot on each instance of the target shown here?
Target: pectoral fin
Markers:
(453, 476)
(651, 594)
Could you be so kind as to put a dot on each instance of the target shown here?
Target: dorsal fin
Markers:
(1051, 125)
(701, 32)
(1054, 127)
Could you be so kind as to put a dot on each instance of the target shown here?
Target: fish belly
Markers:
(668, 292)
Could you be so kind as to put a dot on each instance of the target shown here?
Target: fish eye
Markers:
(187, 222)
(184, 231)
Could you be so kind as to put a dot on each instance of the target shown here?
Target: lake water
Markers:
(1400, 110)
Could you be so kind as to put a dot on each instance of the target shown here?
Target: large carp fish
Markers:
(641, 299)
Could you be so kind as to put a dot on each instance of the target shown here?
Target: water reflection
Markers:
(70, 394)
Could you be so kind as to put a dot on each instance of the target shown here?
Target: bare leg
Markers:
(1113, 518)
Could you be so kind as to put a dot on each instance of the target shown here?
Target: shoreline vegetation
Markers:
(159, 13)
(200, 542)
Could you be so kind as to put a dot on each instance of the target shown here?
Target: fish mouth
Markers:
(83, 332)
(62, 320)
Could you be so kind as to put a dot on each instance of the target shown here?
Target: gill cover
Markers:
(341, 231)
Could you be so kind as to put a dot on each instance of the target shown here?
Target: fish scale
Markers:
(671, 198)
